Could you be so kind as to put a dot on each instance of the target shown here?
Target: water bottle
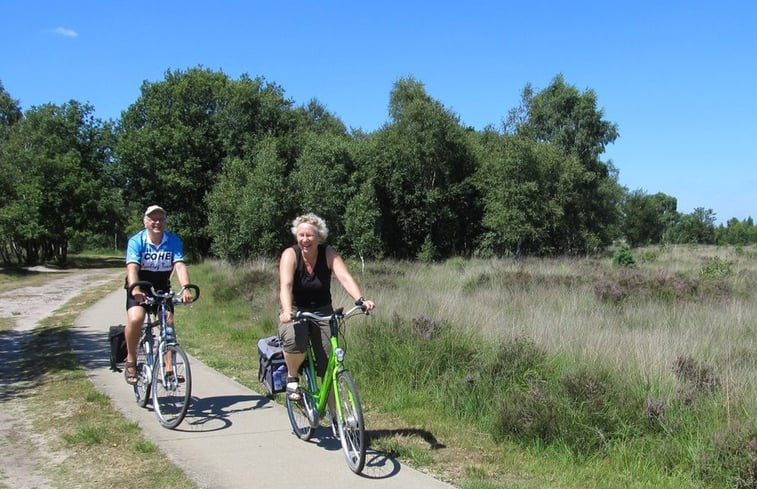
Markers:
(280, 378)
(169, 331)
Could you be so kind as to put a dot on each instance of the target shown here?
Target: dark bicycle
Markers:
(162, 365)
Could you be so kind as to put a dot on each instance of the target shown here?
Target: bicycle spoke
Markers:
(142, 387)
(172, 386)
(351, 425)
(302, 412)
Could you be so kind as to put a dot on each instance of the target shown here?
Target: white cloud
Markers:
(64, 31)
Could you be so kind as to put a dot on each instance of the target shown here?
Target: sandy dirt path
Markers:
(25, 458)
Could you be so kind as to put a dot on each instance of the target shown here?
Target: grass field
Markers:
(536, 373)
(559, 373)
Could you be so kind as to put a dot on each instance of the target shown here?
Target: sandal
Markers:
(293, 389)
(131, 375)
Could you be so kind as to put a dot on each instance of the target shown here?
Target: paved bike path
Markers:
(232, 437)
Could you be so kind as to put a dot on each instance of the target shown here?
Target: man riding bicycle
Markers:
(151, 255)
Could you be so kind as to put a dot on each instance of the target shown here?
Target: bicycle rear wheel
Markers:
(143, 385)
(350, 422)
(172, 387)
(302, 412)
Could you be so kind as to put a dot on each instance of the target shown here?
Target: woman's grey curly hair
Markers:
(317, 222)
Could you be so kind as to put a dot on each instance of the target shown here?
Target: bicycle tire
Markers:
(350, 422)
(143, 386)
(302, 413)
(171, 397)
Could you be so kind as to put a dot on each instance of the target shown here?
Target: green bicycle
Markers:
(347, 421)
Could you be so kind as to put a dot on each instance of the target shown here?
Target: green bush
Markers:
(716, 268)
(584, 408)
(623, 257)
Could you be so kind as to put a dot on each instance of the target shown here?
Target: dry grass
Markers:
(553, 301)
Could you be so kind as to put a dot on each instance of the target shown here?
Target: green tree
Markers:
(55, 159)
(170, 149)
(10, 110)
(695, 228)
(362, 223)
(421, 165)
(523, 184)
(250, 206)
(251, 111)
(737, 232)
(645, 218)
(10, 114)
(563, 116)
(320, 179)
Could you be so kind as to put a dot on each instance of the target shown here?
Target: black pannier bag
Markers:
(273, 372)
(117, 340)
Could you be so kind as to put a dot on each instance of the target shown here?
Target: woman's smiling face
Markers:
(307, 236)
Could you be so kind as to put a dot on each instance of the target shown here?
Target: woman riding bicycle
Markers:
(305, 272)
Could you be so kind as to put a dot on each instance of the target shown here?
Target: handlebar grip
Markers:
(144, 285)
(195, 291)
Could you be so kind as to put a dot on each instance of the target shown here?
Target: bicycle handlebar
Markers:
(152, 296)
(337, 312)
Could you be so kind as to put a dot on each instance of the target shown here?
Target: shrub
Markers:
(623, 257)
(716, 268)
(514, 360)
(732, 458)
(625, 284)
(530, 414)
(650, 256)
(244, 283)
(697, 378)
(583, 408)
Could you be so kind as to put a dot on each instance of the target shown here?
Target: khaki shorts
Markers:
(296, 336)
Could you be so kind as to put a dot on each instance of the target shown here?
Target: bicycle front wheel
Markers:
(302, 412)
(172, 386)
(350, 422)
(143, 385)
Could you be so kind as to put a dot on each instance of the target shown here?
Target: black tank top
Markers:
(312, 291)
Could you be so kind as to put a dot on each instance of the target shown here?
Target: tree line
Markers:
(234, 160)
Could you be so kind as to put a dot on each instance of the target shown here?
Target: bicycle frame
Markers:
(320, 389)
(155, 351)
(347, 420)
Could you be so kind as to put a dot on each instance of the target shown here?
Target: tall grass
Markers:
(641, 376)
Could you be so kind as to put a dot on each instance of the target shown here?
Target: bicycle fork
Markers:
(149, 342)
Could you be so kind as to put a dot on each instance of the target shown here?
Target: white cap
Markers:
(154, 208)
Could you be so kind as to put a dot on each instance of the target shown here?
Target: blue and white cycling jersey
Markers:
(155, 262)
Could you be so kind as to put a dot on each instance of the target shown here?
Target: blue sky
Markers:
(679, 78)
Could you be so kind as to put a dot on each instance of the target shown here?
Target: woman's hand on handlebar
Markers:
(365, 304)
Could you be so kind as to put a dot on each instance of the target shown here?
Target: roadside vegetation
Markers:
(58, 425)
(535, 373)
(635, 369)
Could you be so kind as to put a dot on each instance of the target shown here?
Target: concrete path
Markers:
(233, 437)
